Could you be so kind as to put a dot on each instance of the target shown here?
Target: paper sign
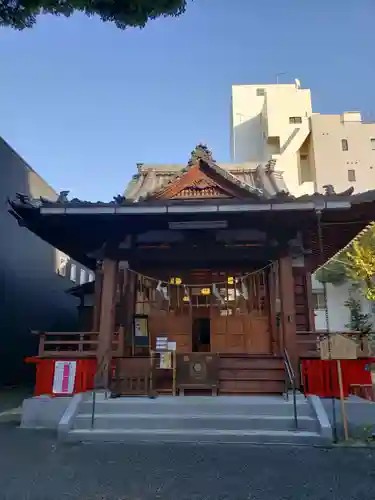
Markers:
(64, 377)
(161, 343)
(140, 327)
(172, 346)
(166, 360)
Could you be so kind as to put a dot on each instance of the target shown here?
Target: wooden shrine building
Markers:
(212, 261)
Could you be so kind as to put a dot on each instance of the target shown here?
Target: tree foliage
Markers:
(334, 272)
(21, 14)
(359, 322)
(357, 265)
(361, 263)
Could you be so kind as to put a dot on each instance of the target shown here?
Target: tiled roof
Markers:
(348, 246)
(260, 178)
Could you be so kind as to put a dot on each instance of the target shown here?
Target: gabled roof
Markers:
(259, 181)
(81, 228)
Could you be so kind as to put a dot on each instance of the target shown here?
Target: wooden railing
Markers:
(365, 391)
(75, 344)
(307, 343)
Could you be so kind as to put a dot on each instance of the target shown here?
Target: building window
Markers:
(372, 144)
(305, 171)
(351, 175)
(295, 119)
(91, 276)
(62, 263)
(344, 145)
(73, 273)
(82, 276)
(261, 92)
(318, 301)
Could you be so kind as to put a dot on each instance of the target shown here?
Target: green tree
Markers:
(355, 264)
(359, 322)
(334, 272)
(21, 14)
(360, 267)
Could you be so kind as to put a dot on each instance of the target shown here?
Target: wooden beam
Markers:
(106, 323)
(209, 253)
(288, 310)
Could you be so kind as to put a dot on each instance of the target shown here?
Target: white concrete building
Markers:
(271, 122)
(312, 150)
(338, 314)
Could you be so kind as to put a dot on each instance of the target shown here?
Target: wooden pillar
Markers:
(106, 322)
(125, 306)
(272, 313)
(288, 310)
(309, 299)
(97, 298)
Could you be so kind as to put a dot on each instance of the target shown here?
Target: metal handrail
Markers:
(98, 370)
(292, 380)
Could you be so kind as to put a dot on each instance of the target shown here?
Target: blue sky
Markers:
(83, 102)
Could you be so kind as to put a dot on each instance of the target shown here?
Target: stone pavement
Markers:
(12, 397)
(34, 466)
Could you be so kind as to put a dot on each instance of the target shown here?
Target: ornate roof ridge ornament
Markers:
(25, 199)
(63, 197)
(200, 152)
(329, 190)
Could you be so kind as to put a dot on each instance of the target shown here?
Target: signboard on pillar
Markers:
(141, 335)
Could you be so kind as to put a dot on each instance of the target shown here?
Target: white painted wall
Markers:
(259, 122)
(332, 163)
(338, 314)
(247, 141)
(282, 102)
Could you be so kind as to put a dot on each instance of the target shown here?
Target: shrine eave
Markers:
(186, 208)
(80, 228)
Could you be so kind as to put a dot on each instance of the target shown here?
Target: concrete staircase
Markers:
(194, 419)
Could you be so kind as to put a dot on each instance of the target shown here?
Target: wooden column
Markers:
(125, 306)
(288, 310)
(106, 322)
(272, 292)
(310, 304)
(97, 298)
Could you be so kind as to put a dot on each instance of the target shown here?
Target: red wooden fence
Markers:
(45, 370)
(320, 377)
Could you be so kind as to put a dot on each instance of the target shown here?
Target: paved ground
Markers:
(13, 397)
(34, 467)
(360, 414)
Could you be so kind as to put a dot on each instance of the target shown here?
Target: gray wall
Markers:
(32, 295)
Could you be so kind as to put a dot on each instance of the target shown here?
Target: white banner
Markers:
(64, 377)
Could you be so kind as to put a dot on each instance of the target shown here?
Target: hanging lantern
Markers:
(186, 298)
(205, 291)
(175, 281)
(230, 280)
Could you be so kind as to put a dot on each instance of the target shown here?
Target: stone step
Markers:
(195, 436)
(197, 421)
(198, 405)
